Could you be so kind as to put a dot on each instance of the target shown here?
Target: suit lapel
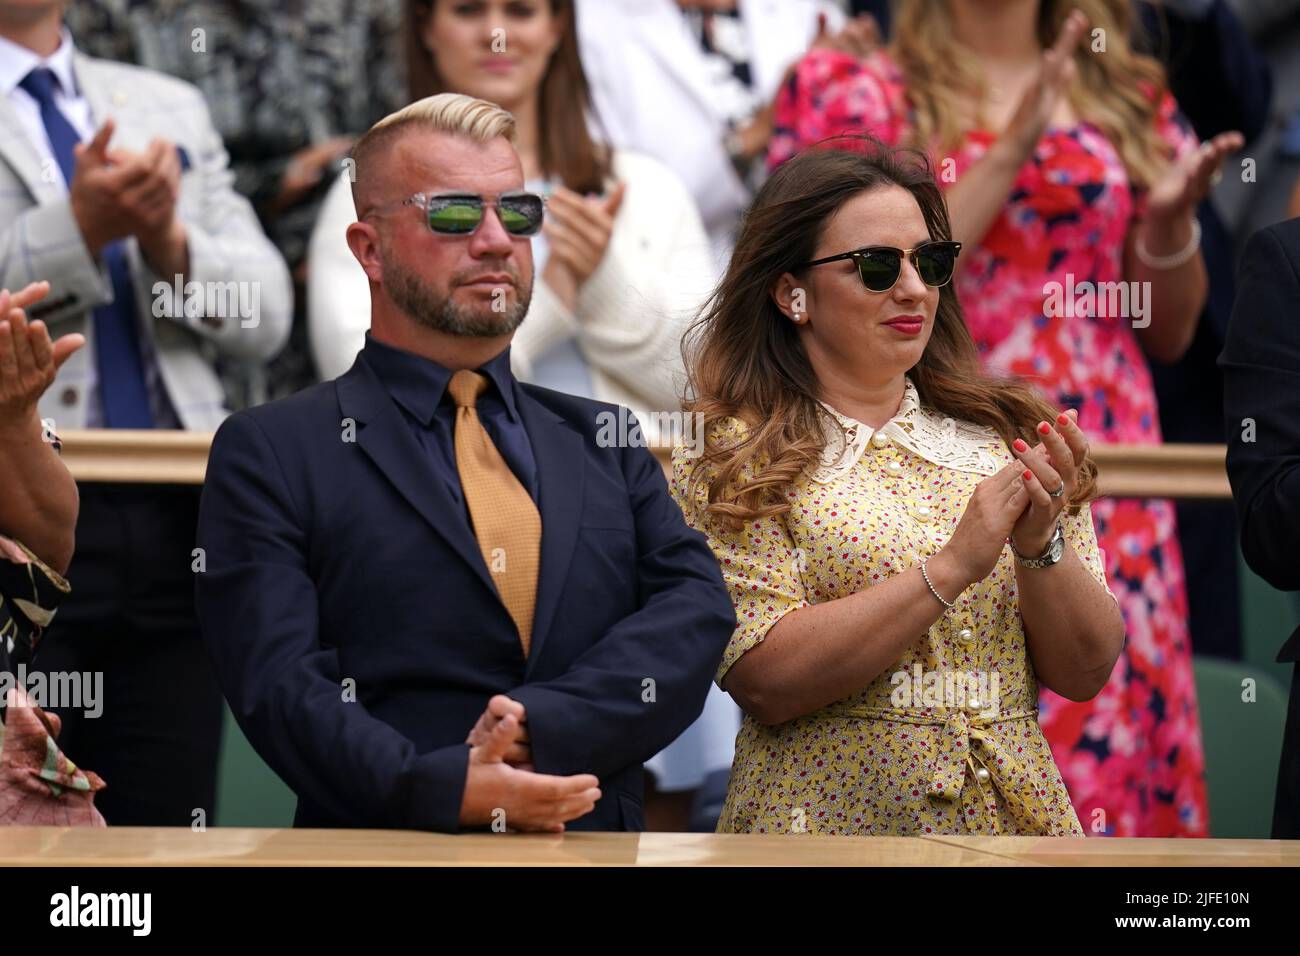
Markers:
(110, 98)
(386, 438)
(17, 150)
(98, 90)
(561, 464)
(15, 143)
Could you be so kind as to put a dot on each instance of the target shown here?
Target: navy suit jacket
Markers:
(1261, 369)
(340, 569)
(1261, 366)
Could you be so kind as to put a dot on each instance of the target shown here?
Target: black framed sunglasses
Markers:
(880, 266)
(459, 214)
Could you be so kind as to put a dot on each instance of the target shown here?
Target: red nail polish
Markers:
(1063, 419)
(1027, 475)
(1044, 428)
(1020, 445)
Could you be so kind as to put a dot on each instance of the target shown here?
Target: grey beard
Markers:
(415, 299)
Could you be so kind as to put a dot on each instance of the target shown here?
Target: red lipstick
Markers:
(907, 324)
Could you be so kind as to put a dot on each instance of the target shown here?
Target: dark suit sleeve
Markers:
(1261, 368)
(257, 606)
(601, 715)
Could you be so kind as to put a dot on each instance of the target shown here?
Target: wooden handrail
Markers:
(246, 846)
(176, 457)
(139, 457)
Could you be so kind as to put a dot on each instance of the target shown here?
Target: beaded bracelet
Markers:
(925, 574)
(1174, 259)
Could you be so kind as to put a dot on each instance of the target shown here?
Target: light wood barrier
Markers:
(139, 457)
(175, 457)
(231, 846)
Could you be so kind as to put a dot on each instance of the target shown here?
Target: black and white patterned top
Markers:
(30, 593)
(724, 39)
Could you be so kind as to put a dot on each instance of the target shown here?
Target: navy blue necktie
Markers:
(122, 388)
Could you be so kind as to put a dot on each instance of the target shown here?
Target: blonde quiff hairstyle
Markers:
(451, 113)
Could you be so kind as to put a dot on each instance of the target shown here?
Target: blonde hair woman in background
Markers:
(1067, 168)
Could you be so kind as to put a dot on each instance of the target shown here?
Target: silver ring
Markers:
(1059, 491)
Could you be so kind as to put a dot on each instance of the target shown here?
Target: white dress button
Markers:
(975, 704)
(879, 440)
(982, 774)
(894, 467)
(966, 636)
(923, 512)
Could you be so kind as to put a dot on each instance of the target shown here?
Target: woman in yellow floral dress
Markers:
(908, 542)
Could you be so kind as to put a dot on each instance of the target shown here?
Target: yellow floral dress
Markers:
(947, 739)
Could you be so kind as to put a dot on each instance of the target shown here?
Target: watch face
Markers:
(1058, 548)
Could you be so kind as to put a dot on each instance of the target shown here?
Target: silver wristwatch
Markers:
(1055, 550)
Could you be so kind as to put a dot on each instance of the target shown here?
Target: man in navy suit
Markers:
(1261, 369)
(353, 615)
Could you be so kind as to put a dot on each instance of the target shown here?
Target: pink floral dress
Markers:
(1132, 757)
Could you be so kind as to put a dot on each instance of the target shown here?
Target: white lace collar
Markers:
(941, 440)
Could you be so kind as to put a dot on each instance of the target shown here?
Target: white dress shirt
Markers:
(15, 63)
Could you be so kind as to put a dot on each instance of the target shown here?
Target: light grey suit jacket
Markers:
(228, 251)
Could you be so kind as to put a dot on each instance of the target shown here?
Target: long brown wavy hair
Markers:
(566, 149)
(744, 359)
(1118, 91)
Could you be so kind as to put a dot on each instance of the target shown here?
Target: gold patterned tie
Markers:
(505, 519)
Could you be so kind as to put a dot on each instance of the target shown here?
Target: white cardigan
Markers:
(629, 315)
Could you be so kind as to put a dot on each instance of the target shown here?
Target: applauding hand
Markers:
(1185, 183)
(977, 542)
(578, 229)
(519, 753)
(28, 359)
(1050, 476)
(1056, 74)
(521, 799)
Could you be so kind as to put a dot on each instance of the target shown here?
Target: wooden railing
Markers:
(240, 846)
(174, 457)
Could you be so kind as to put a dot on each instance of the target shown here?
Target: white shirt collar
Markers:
(906, 409)
(938, 439)
(17, 61)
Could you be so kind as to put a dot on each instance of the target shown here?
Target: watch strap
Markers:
(1045, 559)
